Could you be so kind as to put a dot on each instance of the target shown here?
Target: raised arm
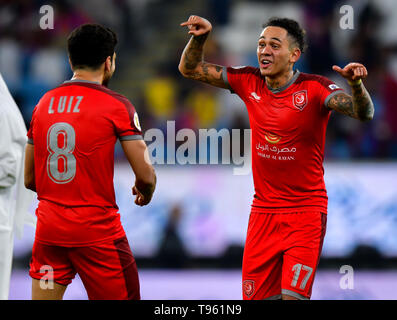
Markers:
(145, 177)
(192, 64)
(359, 105)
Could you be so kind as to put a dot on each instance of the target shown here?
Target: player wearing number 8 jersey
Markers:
(288, 113)
(70, 164)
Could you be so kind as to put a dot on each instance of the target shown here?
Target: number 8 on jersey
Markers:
(61, 163)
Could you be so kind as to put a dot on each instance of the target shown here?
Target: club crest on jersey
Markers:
(248, 287)
(299, 99)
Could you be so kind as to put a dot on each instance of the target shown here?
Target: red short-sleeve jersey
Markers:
(288, 128)
(74, 129)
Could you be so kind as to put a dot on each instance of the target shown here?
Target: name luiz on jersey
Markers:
(66, 104)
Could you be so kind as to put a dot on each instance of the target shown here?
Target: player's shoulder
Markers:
(87, 86)
(316, 79)
(119, 97)
(98, 87)
(244, 70)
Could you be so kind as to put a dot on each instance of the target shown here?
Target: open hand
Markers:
(197, 25)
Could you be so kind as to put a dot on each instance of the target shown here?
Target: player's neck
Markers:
(279, 81)
(88, 76)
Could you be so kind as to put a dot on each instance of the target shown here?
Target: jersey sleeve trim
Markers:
(30, 141)
(331, 95)
(131, 137)
(225, 79)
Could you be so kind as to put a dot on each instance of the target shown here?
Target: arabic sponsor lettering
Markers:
(273, 152)
(274, 149)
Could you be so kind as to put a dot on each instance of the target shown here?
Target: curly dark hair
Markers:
(90, 44)
(293, 28)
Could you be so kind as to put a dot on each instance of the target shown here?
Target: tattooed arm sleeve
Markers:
(193, 66)
(358, 106)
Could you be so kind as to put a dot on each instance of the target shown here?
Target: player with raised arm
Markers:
(288, 112)
(70, 163)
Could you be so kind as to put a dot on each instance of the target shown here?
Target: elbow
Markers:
(366, 118)
(27, 182)
(30, 185)
(183, 70)
(180, 68)
(189, 71)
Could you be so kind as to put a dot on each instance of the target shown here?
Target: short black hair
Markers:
(293, 28)
(90, 44)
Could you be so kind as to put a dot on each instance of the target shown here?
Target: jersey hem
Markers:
(81, 244)
(300, 209)
(294, 294)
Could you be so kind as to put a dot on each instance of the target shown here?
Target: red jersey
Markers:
(74, 129)
(288, 128)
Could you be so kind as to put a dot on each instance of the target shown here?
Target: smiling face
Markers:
(276, 52)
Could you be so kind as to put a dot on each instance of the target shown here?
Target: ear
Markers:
(295, 55)
(108, 64)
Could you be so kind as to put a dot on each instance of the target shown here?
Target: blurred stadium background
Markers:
(188, 242)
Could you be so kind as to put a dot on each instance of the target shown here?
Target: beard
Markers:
(106, 81)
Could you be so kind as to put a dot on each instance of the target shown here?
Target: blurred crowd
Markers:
(33, 60)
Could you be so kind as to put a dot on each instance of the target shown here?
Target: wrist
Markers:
(202, 37)
(354, 83)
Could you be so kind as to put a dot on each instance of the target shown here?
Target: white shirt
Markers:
(15, 198)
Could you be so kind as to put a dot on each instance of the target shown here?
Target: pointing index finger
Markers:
(337, 68)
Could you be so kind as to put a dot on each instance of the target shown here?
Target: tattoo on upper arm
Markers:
(342, 103)
(209, 73)
(358, 106)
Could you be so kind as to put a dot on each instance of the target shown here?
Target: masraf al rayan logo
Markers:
(272, 138)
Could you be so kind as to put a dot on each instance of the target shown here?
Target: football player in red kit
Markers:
(70, 163)
(288, 112)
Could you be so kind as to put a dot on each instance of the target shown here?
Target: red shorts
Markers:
(108, 270)
(281, 254)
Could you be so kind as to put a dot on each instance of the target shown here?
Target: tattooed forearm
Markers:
(193, 66)
(362, 103)
(193, 53)
(358, 106)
